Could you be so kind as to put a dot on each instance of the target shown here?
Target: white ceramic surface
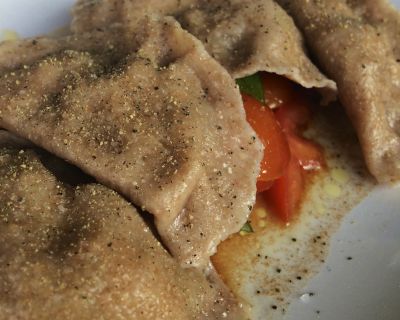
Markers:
(367, 287)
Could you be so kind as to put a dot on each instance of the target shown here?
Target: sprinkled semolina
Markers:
(245, 36)
(148, 113)
(85, 253)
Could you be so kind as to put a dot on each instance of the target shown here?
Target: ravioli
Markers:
(357, 44)
(244, 36)
(137, 103)
(84, 253)
(7, 139)
(149, 114)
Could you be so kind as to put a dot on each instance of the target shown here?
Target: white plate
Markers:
(364, 288)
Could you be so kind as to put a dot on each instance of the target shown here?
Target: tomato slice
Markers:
(264, 185)
(308, 153)
(295, 116)
(284, 197)
(287, 154)
(276, 153)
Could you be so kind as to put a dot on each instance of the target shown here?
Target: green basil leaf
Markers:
(253, 86)
(247, 228)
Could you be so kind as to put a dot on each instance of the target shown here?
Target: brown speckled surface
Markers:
(164, 125)
(84, 252)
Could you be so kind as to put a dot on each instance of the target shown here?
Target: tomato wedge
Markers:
(284, 197)
(264, 185)
(276, 153)
(294, 118)
(288, 155)
(308, 153)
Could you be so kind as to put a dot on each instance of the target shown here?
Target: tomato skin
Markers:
(276, 152)
(295, 116)
(308, 153)
(264, 185)
(294, 119)
(284, 197)
(288, 155)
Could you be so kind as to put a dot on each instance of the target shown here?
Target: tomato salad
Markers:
(280, 112)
